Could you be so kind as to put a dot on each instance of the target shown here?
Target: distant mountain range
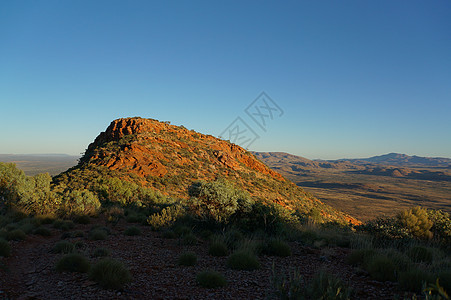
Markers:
(403, 160)
(33, 164)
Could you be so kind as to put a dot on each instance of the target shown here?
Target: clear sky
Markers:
(353, 78)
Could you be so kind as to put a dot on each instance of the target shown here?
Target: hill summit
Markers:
(169, 159)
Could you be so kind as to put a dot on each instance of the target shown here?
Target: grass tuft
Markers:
(211, 279)
(243, 260)
(187, 259)
(73, 262)
(110, 274)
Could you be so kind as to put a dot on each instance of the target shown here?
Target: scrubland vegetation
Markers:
(412, 249)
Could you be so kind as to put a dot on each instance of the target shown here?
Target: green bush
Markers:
(211, 279)
(63, 247)
(73, 262)
(98, 234)
(420, 254)
(110, 273)
(15, 235)
(327, 286)
(416, 221)
(414, 279)
(5, 249)
(218, 200)
(243, 260)
(100, 252)
(277, 247)
(79, 202)
(44, 231)
(218, 248)
(133, 230)
(187, 259)
(382, 268)
(166, 217)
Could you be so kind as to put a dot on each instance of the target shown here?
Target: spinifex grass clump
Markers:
(82, 219)
(187, 259)
(100, 252)
(243, 260)
(15, 235)
(110, 273)
(211, 279)
(44, 231)
(132, 230)
(5, 249)
(98, 234)
(327, 286)
(277, 247)
(382, 268)
(63, 247)
(420, 254)
(73, 262)
(413, 279)
(218, 248)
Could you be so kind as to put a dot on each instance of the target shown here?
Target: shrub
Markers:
(187, 259)
(416, 221)
(98, 234)
(63, 247)
(382, 268)
(16, 235)
(328, 286)
(211, 279)
(218, 248)
(442, 224)
(100, 252)
(420, 254)
(218, 200)
(243, 260)
(166, 217)
(110, 273)
(277, 247)
(73, 262)
(133, 230)
(43, 231)
(5, 249)
(79, 202)
(82, 219)
(413, 279)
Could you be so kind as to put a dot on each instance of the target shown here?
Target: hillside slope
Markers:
(170, 158)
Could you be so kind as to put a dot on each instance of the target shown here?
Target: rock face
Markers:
(149, 142)
(170, 158)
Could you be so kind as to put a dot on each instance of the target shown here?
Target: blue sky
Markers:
(353, 78)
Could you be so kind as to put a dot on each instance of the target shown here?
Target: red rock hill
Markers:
(169, 158)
